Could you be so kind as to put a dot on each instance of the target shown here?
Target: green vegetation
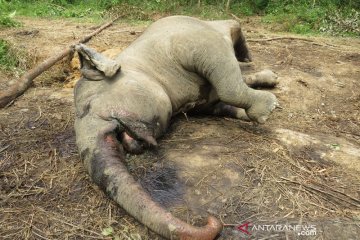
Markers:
(53, 8)
(309, 16)
(7, 20)
(8, 60)
(334, 17)
(337, 17)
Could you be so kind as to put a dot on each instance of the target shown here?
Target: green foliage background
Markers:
(332, 17)
(338, 17)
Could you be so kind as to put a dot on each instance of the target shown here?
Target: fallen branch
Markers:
(235, 17)
(8, 95)
(132, 32)
(279, 38)
(290, 38)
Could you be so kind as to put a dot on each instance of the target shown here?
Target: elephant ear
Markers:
(94, 65)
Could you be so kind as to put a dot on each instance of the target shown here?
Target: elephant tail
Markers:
(110, 173)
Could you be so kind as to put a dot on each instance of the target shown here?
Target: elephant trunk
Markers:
(109, 172)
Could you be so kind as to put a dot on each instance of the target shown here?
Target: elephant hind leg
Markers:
(242, 52)
(231, 30)
(265, 78)
(218, 64)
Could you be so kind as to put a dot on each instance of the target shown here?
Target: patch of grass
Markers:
(83, 9)
(302, 28)
(8, 20)
(150, 10)
(249, 7)
(297, 19)
(14, 60)
(8, 61)
(212, 12)
(314, 17)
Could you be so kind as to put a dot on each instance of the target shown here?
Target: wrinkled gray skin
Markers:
(177, 65)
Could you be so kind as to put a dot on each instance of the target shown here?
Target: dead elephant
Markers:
(178, 64)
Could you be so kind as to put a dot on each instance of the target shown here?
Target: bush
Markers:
(7, 60)
(8, 20)
(342, 23)
(304, 16)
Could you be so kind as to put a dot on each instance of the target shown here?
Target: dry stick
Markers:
(355, 134)
(235, 17)
(4, 148)
(291, 38)
(227, 6)
(129, 31)
(279, 38)
(325, 192)
(335, 190)
(10, 94)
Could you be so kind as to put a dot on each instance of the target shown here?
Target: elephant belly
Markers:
(186, 90)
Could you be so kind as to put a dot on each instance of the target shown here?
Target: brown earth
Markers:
(301, 167)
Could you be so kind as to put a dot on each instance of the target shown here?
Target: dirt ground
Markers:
(300, 168)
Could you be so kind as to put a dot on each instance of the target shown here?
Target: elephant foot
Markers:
(264, 78)
(264, 103)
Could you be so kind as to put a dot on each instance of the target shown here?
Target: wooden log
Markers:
(7, 96)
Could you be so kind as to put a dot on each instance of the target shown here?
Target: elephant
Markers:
(122, 105)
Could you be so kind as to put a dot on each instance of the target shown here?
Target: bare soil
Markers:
(301, 167)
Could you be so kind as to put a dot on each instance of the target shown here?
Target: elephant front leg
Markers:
(224, 110)
(231, 89)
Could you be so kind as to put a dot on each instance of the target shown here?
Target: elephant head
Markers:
(100, 122)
